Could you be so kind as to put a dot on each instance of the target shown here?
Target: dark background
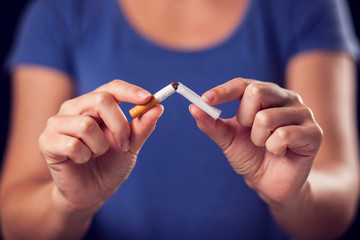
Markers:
(10, 12)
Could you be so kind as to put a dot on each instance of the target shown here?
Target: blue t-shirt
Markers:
(182, 186)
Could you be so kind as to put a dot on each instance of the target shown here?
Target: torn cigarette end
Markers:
(175, 85)
(140, 109)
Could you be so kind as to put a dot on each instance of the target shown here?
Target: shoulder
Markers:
(70, 18)
(294, 10)
(42, 13)
(67, 10)
(306, 25)
(285, 12)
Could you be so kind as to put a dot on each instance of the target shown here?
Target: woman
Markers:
(280, 183)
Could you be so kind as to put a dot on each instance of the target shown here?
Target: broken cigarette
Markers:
(198, 101)
(169, 90)
(155, 99)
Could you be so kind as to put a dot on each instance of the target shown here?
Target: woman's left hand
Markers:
(272, 141)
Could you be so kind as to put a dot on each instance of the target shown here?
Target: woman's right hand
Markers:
(90, 147)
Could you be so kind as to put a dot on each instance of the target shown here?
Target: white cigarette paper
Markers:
(164, 93)
(158, 97)
(198, 101)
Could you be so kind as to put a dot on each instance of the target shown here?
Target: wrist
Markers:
(70, 222)
(67, 212)
(301, 197)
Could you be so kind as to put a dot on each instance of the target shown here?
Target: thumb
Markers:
(142, 127)
(218, 130)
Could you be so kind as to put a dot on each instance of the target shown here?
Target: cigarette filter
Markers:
(155, 99)
(198, 101)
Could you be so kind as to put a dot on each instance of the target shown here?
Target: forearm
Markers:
(29, 212)
(323, 209)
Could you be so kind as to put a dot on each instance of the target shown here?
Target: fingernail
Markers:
(162, 111)
(125, 146)
(143, 94)
(208, 96)
(190, 107)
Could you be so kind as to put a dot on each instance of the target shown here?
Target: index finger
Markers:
(229, 91)
(125, 92)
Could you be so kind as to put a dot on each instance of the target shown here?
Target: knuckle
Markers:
(65, 105)
(103, 98)
(271, 85)
(294, 97)
(263, 119)
(51, 121)
(244, 81)
(115, 83)
(45, 149)
(282, 134)
(308, 113)
(41, 141)
(86, 124)
(318, 133)
(73, 145)
(241, 83)
(237, 79)
(254, 90)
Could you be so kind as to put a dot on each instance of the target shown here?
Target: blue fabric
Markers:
(182, 186)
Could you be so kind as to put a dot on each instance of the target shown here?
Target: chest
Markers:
(184, 24)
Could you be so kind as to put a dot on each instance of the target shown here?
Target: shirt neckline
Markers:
(232, 37)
